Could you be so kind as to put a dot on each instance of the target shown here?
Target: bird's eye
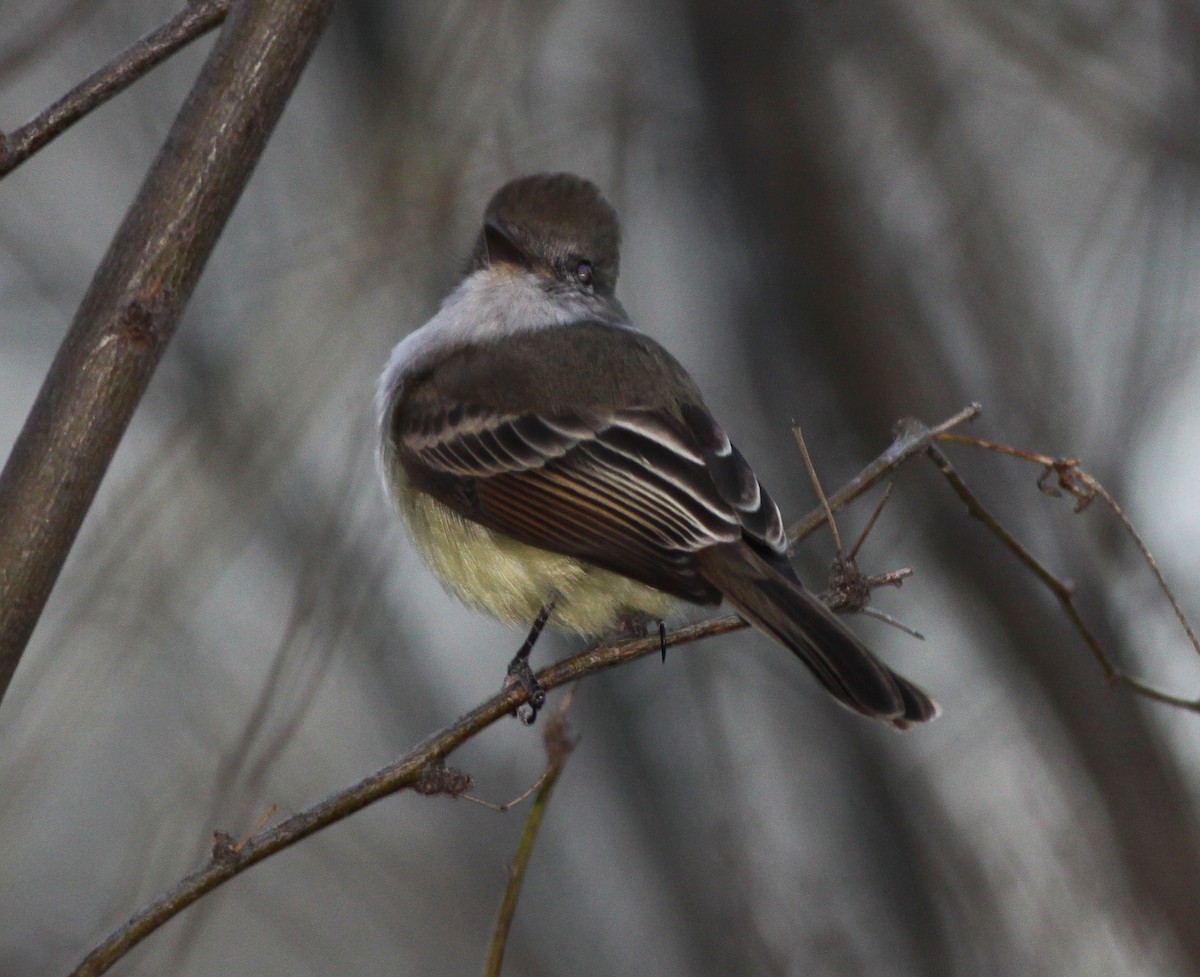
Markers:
(583, 273)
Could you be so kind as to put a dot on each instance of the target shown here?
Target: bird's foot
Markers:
(519, 673)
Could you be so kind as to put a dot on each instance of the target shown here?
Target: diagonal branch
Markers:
(137, 297)
(912, 437)
(412, 769)
(1075, 481)
(228, 860)
(423, 768)
(195, 20)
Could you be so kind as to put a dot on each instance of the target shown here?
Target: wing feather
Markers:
(736, 482)
(628, 490)
(636, 490)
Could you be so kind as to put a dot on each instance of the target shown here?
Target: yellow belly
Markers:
(512, 581)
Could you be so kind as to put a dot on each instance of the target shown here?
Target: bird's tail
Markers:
(780, 606)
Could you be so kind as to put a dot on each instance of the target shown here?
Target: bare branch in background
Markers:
(195, 20)
(136, 300)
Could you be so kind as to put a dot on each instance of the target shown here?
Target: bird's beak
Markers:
(500, 245)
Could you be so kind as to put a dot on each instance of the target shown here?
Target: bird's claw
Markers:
(519, 673)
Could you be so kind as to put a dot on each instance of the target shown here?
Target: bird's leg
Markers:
(662, 639)
(519, 672)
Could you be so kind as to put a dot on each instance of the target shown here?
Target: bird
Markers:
(556, 465)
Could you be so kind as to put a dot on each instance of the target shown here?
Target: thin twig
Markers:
(1084, 486)
(505, 806)
(912, 437)
(1000, 448)
(1101, 491)
(196, 19)
(849, 588)
(258, 826)
(816, 484)
(893, 622)
(1063, 593)
(879, 507)
(559, 741)
(546, 772)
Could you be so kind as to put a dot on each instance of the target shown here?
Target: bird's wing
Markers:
(664, 499)
(631, 490)
(736, 483)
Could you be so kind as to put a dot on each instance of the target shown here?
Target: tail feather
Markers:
(783, 609)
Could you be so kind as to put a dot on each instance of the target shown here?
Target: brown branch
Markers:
(195, 20)
(423, 768)
(912, 437)
(411, 770)
(137, 297)
(1083, 486)
(559, 741)
(228, 860)
(815, 480)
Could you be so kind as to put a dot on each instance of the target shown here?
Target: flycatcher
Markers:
(553, 463)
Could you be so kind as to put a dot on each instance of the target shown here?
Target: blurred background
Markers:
(835, 213)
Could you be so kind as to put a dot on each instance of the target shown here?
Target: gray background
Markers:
(835, 213)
